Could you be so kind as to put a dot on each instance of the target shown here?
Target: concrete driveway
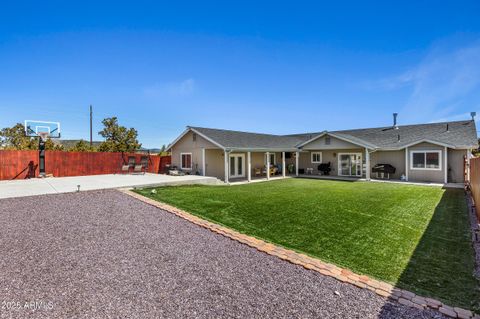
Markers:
(104, 254)
(42, 186)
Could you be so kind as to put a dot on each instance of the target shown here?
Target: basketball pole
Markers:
(91, 115)
(41, 157)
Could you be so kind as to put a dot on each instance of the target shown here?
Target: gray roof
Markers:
(460, 134)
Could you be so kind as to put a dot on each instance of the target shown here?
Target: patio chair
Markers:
(144, 162)
(257, 171)
(131, 161)
(125, 169)
(138, 169)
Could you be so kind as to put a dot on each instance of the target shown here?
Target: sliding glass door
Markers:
(350, 164)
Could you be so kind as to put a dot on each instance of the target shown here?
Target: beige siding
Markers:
(419, 175)
(305, 160)
(456, 165)
(394, 158)
(335, 144)
(187, 145)
(214, 163)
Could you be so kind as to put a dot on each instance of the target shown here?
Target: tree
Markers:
(82, 146)
(14, 138)
(118, 138)
(51, 146)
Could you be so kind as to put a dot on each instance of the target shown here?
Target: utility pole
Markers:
(91, 113)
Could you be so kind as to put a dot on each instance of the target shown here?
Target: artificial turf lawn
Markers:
(416, 237)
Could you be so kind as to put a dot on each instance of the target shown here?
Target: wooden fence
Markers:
(24, 164)
(475, 182)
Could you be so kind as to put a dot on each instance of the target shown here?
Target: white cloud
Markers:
(171, 89)
(444, 85)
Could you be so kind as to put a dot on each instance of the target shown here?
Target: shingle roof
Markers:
(460, 134)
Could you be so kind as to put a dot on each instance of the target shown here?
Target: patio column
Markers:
(283, 164)
(367, 160)
(297, 157)
(203, 161)
(268, 165)
(446, 165)
(249, 166)
(406, 164)
(226, 166)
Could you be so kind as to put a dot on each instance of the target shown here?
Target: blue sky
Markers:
(273, 67)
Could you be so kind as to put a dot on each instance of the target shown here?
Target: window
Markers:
(316, 157)
(186, 160)
(194, 137)
(273, 159)
(426, 160)
(327, 140)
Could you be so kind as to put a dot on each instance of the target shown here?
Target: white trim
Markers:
(406, 164)
(425, 158)
(274, 158)
(367, 163)
(283, 164)
(428, 141)
(340, 163)
(362, 143)
(225, 166)
(267, 166)
(297, 159)
(446, 165)
(236, 155)
(316, 153)
(249, 166)
(203, 162)
(181, 161)
(193, 130)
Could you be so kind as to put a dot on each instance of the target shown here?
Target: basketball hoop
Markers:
(43, 135)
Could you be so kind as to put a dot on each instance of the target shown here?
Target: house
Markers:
(433, 152)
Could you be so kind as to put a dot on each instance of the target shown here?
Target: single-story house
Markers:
(433, 152)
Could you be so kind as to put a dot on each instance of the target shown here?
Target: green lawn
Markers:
(412, 236)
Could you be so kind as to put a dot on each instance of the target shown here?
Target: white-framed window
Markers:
(316, 157)
(273, 159)
(186, 160)
(426, 160)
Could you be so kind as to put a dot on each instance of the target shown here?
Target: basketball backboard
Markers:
(42, 129)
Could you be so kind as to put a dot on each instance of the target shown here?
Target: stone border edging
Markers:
(381, 288)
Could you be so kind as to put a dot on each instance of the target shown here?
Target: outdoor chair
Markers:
(131, 161)
(125, 168)
(138, 169)
(144, 162)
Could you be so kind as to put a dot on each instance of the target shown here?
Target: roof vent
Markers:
(473, 114)
(447, 128)
(395, 121)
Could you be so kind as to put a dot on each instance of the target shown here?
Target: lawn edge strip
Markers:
(380, 288)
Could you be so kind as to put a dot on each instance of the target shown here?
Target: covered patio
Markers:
(242, 165)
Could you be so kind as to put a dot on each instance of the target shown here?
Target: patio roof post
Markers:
(367, 160)
(249, 166)
(297, 157)
(226, 166)
(283, 164)
(446, 165)
(268, 165)
(203, 162)
(406, 164)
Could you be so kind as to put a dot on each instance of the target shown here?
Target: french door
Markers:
(237, 165)
(350, 164)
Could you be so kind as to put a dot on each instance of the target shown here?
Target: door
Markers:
(350, 164)
(237, 165)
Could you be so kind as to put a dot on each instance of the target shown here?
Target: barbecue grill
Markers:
(383, 170)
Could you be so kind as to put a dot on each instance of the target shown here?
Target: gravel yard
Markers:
(104, 254)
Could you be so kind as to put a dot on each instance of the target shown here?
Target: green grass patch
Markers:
(415, 237)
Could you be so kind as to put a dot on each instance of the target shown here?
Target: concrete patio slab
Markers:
(43, 186)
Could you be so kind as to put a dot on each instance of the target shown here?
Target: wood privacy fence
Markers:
(24, 164)
(475, 182)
